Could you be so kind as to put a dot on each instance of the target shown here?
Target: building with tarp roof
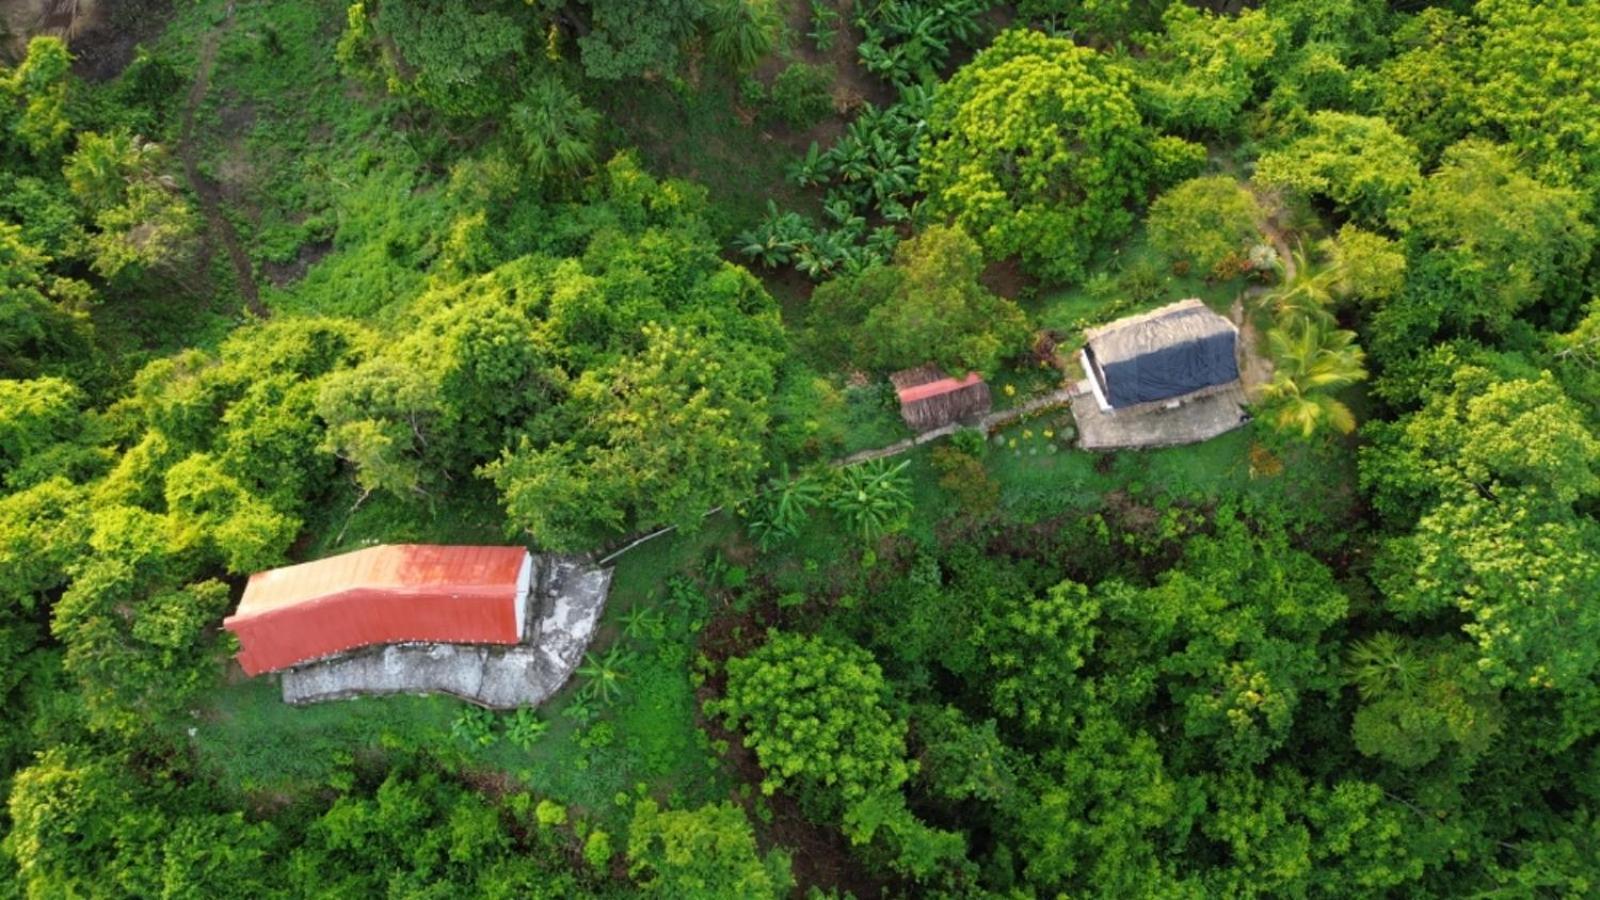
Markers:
(382, 595)
(930, 399)
(1168, 356)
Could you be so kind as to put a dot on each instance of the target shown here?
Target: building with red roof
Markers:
(930, 399)
(382, 595)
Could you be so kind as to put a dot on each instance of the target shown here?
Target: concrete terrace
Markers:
(1195, 420)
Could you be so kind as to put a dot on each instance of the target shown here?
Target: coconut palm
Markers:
(1306, 291)
(1313, 358)
(554, 129)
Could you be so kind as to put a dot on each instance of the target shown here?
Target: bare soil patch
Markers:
(287, 273)
(1007, 279)
(852, 84)
(209, 193)
(105, 39)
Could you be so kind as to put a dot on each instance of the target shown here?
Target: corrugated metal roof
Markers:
(937, 388)
(380, 595)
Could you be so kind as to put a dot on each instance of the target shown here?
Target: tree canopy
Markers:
(1038, 150)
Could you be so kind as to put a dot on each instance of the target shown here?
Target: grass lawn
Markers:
(1037, 483)
(695, 131)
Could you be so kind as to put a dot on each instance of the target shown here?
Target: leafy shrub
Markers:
(550, 814)
(708, 852)
(1031, 121)
(965, 478)
(751, 91)
(1204, 220)
(815, 712)
(524, 728)
(802, 95)
(597, 850)
(970, 441)
(474, 726)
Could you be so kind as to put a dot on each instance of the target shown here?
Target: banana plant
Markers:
(872, 497)
(812, 169)
(784, 509)
(605, 674)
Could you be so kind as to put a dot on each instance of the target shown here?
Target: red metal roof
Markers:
(380, 595)
(935, 388)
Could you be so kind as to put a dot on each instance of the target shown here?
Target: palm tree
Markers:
(1306, 292)
(1382, 664)
(1312, 358)
(605, 674)
(554, 129)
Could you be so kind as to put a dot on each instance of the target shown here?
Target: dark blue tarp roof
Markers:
(1171, 371)
(1176, 351)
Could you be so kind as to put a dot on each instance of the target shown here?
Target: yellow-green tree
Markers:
(1037, 149)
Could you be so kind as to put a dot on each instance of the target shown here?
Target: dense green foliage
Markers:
(1037, 149)
(1209, 222)
(300, 278)
(927, 306)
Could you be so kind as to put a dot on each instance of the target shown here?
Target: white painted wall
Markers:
(1094, 383)
(524, 585)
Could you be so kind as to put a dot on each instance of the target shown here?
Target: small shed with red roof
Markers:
(382, 595)
(931, 399)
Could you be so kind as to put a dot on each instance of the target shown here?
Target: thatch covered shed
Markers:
(1168, 356)
(930, 399)
(1167, 377)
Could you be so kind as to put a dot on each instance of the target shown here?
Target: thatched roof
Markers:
(1177, 352)
(930, 399)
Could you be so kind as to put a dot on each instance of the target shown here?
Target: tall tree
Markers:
(1037, 150)
(1207, 222)
(1509, 240)
(929, 306)
(667, 436)
(1199, 73)
(1539, 82)
(1360, 163)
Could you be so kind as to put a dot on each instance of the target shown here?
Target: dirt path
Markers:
(997, 419)
(210, 196)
